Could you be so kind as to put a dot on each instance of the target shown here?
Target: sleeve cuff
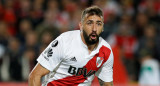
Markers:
(44, 63)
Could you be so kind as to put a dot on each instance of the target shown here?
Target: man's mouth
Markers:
(93, 36)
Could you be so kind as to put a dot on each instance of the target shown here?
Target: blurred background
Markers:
(131, 27)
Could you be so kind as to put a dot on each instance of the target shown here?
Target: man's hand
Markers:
(102, 83)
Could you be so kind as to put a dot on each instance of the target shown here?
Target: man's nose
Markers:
(94, 27)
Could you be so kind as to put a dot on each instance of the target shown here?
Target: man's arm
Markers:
(36, 75)
(102, 83)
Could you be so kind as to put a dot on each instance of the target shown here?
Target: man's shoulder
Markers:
(69, 36)
(104, 43)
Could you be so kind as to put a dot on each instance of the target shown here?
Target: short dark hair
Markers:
(93, 10)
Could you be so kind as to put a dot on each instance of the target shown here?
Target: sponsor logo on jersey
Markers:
(99, 61)
(55, 43)
(49, 52)
(80, 71)
(45, 57)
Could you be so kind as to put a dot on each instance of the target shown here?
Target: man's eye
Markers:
(99, 24)
(89, 23)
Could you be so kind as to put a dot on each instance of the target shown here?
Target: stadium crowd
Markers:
(132, 27)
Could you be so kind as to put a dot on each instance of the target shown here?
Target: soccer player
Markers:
(75, 57)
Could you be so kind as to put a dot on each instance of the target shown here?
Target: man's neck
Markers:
(90, 47)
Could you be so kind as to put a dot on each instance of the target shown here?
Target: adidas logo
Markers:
(73, 59)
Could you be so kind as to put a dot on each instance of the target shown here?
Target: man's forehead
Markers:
(93, 17)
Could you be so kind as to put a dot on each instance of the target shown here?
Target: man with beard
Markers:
(75, 57)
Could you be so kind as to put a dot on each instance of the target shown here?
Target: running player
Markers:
(75, 57)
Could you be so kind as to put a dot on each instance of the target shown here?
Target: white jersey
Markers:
(70, 63)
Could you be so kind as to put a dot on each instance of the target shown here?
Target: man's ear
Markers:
(80, 25)
(102, 29)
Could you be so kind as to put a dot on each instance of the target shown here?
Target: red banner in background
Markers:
(13, 84)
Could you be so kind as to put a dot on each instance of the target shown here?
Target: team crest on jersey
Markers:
(99, 61)
(55, 43)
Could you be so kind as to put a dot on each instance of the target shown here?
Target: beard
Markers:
(89, 40)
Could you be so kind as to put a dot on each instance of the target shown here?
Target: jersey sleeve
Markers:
(51, 57)
(105, 73)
